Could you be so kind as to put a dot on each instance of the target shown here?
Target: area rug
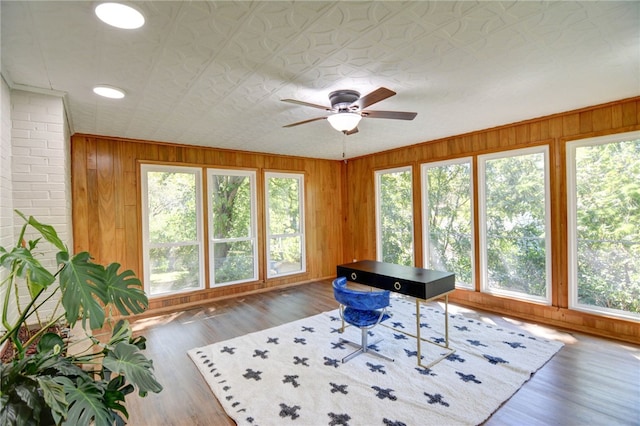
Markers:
(293, 375)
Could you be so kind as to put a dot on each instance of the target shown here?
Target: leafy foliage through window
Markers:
(514, 220)
(604, 205)
(232, 226)
(447, 209)
(171, 229)
(394, 216)
(285, 224)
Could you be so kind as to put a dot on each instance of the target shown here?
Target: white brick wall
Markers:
(6, 187)
(35, 169)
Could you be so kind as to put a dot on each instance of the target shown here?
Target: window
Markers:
(172, 229)
(285, 224)
(394, 216)
(447, 219)
(603, 188)
(232, 226)
(514, 221)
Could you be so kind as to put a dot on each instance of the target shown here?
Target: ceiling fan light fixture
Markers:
(109, 92)
(120, 15)
(344, 121)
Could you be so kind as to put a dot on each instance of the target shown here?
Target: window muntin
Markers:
(603, 189)
(284, 194)
(172, 229)
(514, 224)
(394, 216)
(447, 207)
(232, 226)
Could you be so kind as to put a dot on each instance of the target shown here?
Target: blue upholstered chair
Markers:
(362, 309)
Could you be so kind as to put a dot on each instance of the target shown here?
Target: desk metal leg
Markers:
(446, 335)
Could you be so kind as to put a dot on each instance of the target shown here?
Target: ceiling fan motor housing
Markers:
(342, 99)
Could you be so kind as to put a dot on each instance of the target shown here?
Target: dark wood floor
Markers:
(591, 381)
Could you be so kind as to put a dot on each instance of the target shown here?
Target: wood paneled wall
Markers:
(554, 131)
(340, 204)
(106, 206)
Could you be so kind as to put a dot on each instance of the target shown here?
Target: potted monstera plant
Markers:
(45, 381)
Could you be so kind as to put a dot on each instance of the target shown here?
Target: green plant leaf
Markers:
(83, 288)
(38, 277)
(121, 333)
(48, 232)
(14, 414)
(86, 404)
(54, 396)
(125, 291)
(27, 391)
(114, 395)
(126, 359)
(48, 343)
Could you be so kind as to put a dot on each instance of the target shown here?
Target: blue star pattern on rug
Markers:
(339, 388)
(384, 393)
(339, 419)
(287, 411)
(292, 380)
(293, 374)
(376, 368)
(436, 399)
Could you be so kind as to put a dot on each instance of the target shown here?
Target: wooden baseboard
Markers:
(603, 326)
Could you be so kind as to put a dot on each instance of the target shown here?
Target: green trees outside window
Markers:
(447, 210)
(232, 226)
(171, 229)
(285, 223)
(604, 206)
(514, 223)
(394, 216)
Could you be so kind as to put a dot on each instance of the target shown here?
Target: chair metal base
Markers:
(363, 348)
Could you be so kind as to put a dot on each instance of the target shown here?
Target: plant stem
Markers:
(40, 332)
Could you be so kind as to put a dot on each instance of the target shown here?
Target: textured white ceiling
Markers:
(214, 73)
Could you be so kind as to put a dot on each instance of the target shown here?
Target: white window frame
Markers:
(251, 174)
(377, 175)
(572, 233)
(484, 286)
(424, 168)
(146, 245)
(300, 233)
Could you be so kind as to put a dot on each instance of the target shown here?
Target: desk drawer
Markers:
(435, 287)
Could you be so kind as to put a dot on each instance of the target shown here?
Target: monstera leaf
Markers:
(53, 392)
(126, 359)
(83, 289)
(38, 277)
(47, 231)
(124, 290)
(86, 406)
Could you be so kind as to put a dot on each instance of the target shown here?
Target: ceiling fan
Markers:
(348, 107)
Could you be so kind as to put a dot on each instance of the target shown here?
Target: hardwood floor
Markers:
(591, 381)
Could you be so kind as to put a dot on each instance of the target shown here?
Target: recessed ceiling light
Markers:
(120, 15)
(109, 91)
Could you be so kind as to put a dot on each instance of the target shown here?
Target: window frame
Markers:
(377, 176)
(146, 245)
(482, 227)
(572, 232)
(302, 228)
(426, 249)
(251, 174)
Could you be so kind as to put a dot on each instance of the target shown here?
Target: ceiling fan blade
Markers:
(350, 132)
(294, 101)
(396, 115)
(305, 121)
(373, 97)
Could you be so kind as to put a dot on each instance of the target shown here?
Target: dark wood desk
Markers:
(422, 284)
